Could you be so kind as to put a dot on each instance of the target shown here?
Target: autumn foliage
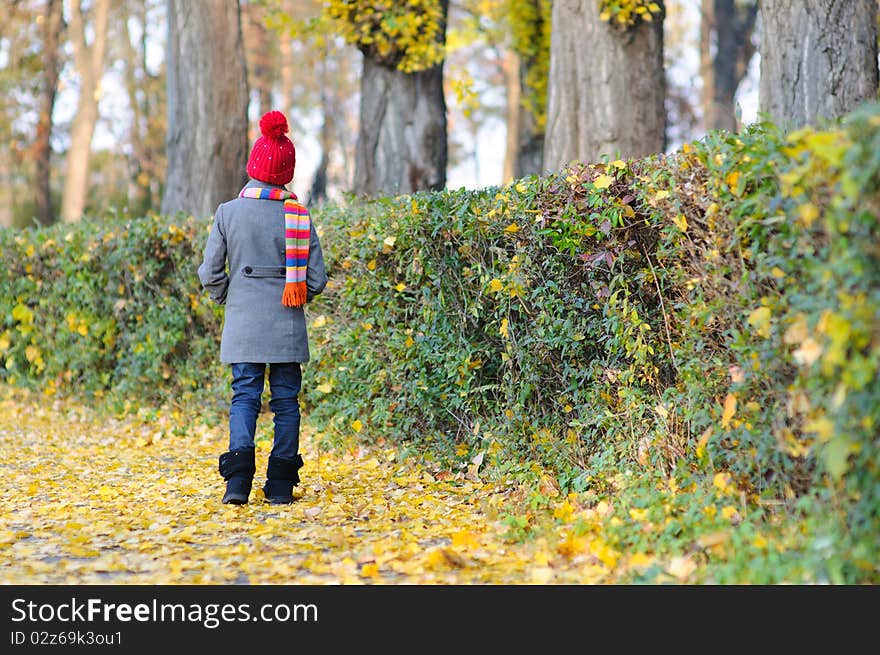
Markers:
(692, 337)
(712, 312)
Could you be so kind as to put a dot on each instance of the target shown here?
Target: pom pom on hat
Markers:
(273, 156)
(273, 125)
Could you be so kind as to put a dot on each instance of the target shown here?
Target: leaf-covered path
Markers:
(91, 499)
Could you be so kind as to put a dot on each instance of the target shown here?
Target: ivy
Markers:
(624, 14)
(530, 29)
(406, 36)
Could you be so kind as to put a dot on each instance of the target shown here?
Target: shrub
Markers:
(108, 304)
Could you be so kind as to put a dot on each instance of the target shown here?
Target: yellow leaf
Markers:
(371, 265)
(320, 321)
(729, 410)
(370, 570)
(704, 439)
(618, 163)
(572, 546)
(722, 481)
(32, 353)
(409, 342)
(22, 314)
(496, 285)
(326, 387)
(777, 272)
(638, 514)
(390, 241)
(822, 427)
(680, 222)
(510, 229)
(603, 181)
(662, 194)
(502, 330)
(731, 179)
(400, 287)
(521, 187)
(607, 555)
(464, 539)
(83, 329)
(640, 560)
(356, 425)
(564, 512)
(808, 213)
(760, 320)
(728, 512)
(435, 558)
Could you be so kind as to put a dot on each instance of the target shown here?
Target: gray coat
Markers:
(249, 234)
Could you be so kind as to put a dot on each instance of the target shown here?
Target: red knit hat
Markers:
(273, 156)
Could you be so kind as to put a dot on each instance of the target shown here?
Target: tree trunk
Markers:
(318, 192)
(207, 141)
(818, 58)
(725, 51)
(401, 145)
(510, 66)
(533, 51)
(606, 89)
(286, 74)
(139, 188)
(259, 56)
(530, 151)
(89, 61)
(52, 22)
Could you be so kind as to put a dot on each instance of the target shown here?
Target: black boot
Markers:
(281, 476)
(237, 467)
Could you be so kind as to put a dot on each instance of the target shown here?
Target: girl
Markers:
(275, 267)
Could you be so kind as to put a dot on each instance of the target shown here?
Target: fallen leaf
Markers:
(603, 181)
(729, 410)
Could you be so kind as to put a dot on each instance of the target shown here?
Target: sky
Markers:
(490, 139)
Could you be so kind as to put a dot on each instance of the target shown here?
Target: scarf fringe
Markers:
(295, 294)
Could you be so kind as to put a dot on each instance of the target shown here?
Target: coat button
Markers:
(248, 270)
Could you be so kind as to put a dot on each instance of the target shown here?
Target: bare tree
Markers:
(89, 62)
(52, 25)
(207, 141)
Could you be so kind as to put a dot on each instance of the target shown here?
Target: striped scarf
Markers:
(297, 230)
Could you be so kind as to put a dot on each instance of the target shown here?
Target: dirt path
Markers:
(89, 500)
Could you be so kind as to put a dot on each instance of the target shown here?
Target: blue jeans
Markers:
(285, 381)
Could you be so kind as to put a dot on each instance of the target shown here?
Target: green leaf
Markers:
(836, 455)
